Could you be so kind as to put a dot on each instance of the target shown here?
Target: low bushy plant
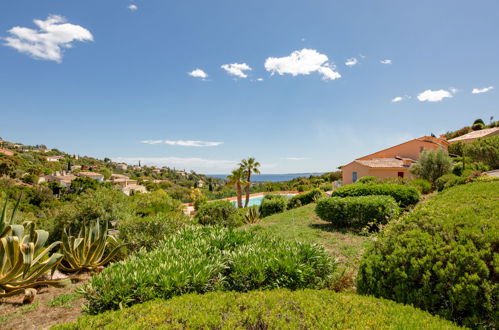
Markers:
(447, 181)
(357, 212)
(368, 179)
(272, 204)
(422, 185)
(404, 195)
(276, 309)
(204, 259)
(305, 198)
(443, 257)
(147, 232)
(219, 213)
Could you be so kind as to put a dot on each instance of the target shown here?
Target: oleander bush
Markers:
(276, 309)
(357, 212)
(422, 185)
(147, 232)
(404, 195)
(222, 213)
(305, 198)
(203, 259)
(272, 204)
(443, 257)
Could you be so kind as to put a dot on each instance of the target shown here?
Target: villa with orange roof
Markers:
(472, 136)
(392, 162)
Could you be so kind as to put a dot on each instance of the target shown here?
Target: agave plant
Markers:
(86, 252)
(6, 224)
(252, 215)
(23, 258)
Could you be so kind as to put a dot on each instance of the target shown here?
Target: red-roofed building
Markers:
(391, 162)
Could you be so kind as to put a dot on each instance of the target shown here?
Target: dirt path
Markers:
(51, 306)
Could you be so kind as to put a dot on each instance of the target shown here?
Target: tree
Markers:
(249, 167)
(432, 164)
(478, 124)
(484, 150)
(236, 179)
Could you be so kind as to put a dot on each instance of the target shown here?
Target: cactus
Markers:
(86, 252)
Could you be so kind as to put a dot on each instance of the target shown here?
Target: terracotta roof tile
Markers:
(475, 134)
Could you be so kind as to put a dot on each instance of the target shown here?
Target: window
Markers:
(421, 149)
(400, 174)
(354, 176)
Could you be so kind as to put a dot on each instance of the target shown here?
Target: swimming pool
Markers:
(256, 200)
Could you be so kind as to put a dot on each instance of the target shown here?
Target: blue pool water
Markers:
(256, 201)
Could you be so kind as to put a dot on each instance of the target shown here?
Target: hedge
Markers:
(218, 213)
(305, 198)
(357, 212)
(422, 185)
(272, 204)
(276, 309)
(404, 195)
(204, 259)
(443, 257)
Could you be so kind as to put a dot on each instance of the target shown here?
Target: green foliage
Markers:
(204, 259)
(81, 184)
(218, 213)
(102, 204)
(306, 198)
(357, 212)
(147, 232)
(86, 251)
(272, 204)
(276, 309)
(157, 202)
(447, 181)
(404, 195)
(443, 257)
(484, 150)
(368, 179)
(251, 215)
(64, 300)
(432, 164)
(422, 185)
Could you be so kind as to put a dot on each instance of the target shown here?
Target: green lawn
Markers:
(303, 225)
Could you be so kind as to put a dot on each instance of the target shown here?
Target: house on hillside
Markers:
(392, 162)
(64, 180)
(6, 152)
(92, 175)
(472, 136)
(122, 166)
(53, 158)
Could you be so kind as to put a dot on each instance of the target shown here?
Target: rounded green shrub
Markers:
(447, 181)
(204, 259)
(368, 179)
(222, 213)
(422, 185)
(443, 257)
(404, 195)
(305, 198)
(272, 205)
(147, 232)
(357, 212)
(276, 309)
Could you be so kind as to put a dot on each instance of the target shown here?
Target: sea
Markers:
(270, 177)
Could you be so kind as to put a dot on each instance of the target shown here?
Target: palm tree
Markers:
(236, 179)
(249, 167)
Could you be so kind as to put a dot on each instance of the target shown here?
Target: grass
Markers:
(4, 319)
(302, 224)
(64, 300)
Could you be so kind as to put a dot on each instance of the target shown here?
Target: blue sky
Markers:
(100, 78)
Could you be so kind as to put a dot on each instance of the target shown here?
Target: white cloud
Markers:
(482, 90)
(47, 43)
(237, 69)
(184, 143)
(397, 99)
(133, 7)
(351, 61)
(259, 79)
(387, 61)
(198, 73)
(197, 164)
(296, 158)
(435, 96)
(302, 62)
